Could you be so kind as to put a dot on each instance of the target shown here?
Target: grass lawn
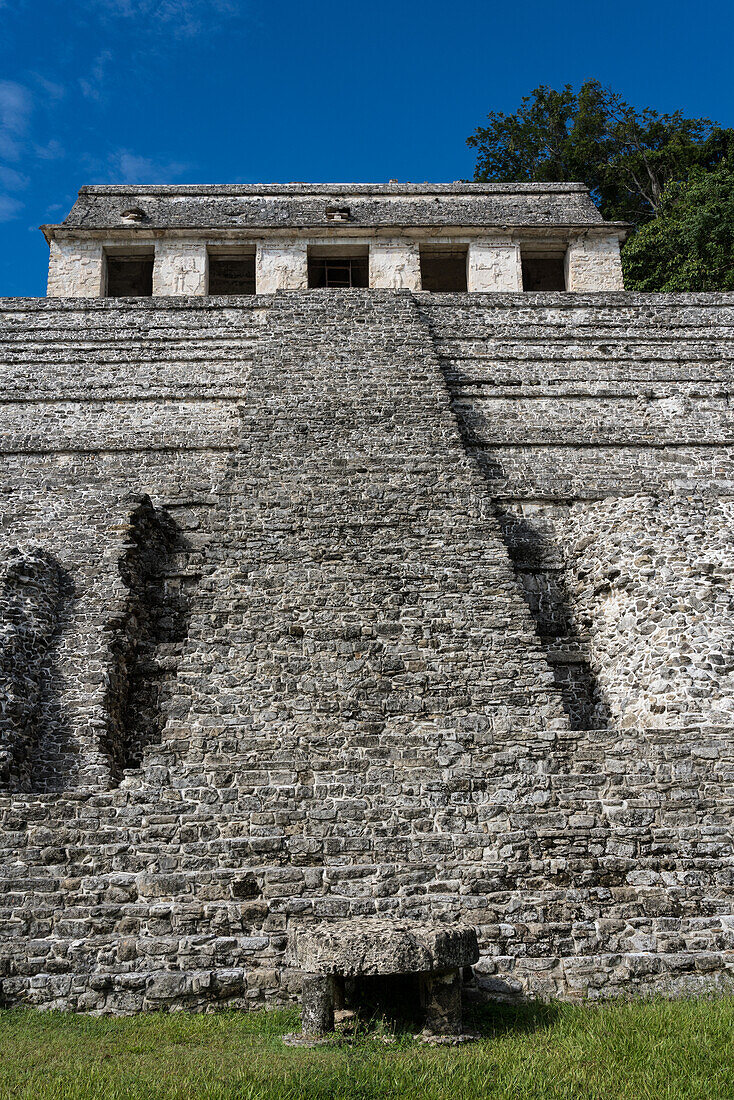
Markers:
(642, 1051)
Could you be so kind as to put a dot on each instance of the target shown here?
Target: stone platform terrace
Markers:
(378, 603)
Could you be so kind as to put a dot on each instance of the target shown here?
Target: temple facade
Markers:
(175, 241)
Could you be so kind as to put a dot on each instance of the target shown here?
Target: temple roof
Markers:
(309, 206)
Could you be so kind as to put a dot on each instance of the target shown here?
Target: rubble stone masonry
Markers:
(364, 603)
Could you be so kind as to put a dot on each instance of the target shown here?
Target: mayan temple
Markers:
(367, 552)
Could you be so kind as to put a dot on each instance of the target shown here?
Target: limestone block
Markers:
(281, 265)
(382, 946)
(494, 265)
(395, 265)
(593, 263)
(75, 269)
(180, 268)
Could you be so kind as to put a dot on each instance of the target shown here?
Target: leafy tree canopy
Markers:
(690, 245)
(626, 157)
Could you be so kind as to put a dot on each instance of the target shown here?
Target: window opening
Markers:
(231, 274)
(443, 270)
(338, 272)
(543, 273)
(129, 276)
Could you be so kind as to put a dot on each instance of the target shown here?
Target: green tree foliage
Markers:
(626, 157)
(690, 245)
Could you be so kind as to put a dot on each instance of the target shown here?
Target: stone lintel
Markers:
(459, 232)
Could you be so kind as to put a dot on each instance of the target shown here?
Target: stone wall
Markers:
(30, 598)
(593, 263)
(75, 269)
(395, 265)
(351, 616)
(181, 267)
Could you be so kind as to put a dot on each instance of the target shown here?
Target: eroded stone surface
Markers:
(30, 602)
(376, 494)
(317, 1004)
(374, 946)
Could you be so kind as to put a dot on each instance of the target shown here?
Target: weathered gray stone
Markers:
(366, 617)
(181, 231)
(361, 947)
(373, 946)
(317, 1004)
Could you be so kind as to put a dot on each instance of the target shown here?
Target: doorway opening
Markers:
(443, 270)
(343, 270)
(543, 270)
(129, 275)
(231, 274)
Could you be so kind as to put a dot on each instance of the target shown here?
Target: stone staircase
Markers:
(361, 715)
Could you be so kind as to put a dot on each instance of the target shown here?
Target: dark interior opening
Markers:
(543, 273)
(338, 271)
(443, 270)
(231, 274)
(129, 276)
(395, 998)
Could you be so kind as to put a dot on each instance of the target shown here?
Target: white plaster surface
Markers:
(395, 265)
(75, 269)
(593, 264)
(180, 268)
(281, 265)
(494, 265)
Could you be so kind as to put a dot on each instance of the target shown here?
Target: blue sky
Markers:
(227, 91)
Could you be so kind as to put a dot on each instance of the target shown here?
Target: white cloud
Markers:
(15, 106)
(125, 166)
(52, 150)
(92, 86)
(12, 180)
(183, 17)
(9, 208)
(51, 88)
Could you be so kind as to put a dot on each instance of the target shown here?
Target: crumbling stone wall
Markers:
(144, 637)
(30, 597)
(360, 715)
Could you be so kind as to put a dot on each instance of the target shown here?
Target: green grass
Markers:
(653, 1050)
